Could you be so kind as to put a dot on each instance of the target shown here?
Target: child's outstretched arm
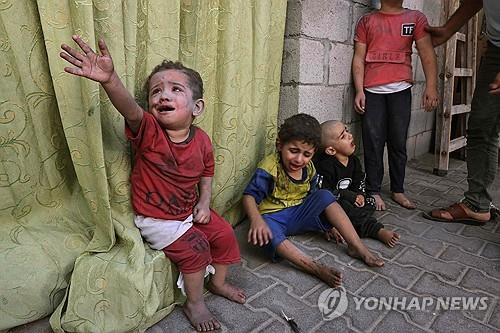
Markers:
(100, 68)
(429, 64)
(259, 233)
(358, 73)
(201, 212)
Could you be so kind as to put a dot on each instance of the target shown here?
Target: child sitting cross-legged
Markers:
(340, 172)
(283, 199)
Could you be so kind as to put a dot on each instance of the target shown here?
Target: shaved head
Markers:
(330, 130)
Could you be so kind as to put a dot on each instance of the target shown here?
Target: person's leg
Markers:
(290, 252)
(337, 218)
(297, 220)
(482, 135)
(225, 251)
(374, 129)
(219, 286)
(191, 254)
(483, 129)
(194, 307)
(398, 120)
(388, 237)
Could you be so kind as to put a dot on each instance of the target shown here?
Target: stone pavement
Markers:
(432, 262)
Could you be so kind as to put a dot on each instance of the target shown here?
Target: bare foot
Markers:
(388, 237)
(228, 291)
(328, 275)
(369, 258)
(199, 316)
(379, 203)
(403, 201)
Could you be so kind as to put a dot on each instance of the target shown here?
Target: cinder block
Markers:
(291, 61)
(349, 114)
(302, 61)
(418, 70)
(414, 4)
(430, 120)
(340, 64)
(433, 11)
(311, 61)
(289, 102)
(329, 19)
(293, 17)
(418, 122)
(410, 147)
(322, 102)
(423, 143)
(416, 95)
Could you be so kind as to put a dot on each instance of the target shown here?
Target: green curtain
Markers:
(68, 244)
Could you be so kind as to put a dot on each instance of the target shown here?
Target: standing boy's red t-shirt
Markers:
(165, 175)
(389, 39)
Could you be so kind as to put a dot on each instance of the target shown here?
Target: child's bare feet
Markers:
(369, 258)
(379, 203)
(228, 291)
(199, 316)
(388, 237)
(328, 275)
(403, 201)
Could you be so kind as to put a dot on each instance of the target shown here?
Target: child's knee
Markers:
(324, 197)
(191, 252)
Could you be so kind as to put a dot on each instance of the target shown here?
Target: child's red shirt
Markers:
(165, 174)
(389, 39)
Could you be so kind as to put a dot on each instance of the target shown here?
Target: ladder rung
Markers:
(460, 108)
(457, 143)
(462, 72)
(461, 36)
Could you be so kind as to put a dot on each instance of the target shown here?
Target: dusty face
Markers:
(171, 100)
(295, 155)
(342, 142)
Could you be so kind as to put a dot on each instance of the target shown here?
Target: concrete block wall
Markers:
(316, 72)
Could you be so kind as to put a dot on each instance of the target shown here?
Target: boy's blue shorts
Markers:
(296, 220)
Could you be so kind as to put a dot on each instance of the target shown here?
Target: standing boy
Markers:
(383, 78)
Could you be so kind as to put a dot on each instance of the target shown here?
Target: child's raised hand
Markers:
(259, 233)
(360, 200)
(359, 102)
(333, 233)
(430, 99)
(201, 214)
(88, 64)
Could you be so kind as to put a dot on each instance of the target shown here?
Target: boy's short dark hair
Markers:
(194, 79)
(301, 127)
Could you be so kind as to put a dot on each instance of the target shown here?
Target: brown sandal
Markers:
(457, 212)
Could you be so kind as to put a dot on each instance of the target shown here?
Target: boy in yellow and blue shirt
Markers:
(282, 199)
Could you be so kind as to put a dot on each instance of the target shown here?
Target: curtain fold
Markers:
(68, 245)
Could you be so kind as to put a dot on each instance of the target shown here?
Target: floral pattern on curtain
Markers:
(68, 245)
